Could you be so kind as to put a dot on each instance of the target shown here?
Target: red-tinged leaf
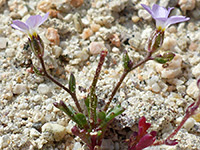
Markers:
(143, 126)
(145, 141)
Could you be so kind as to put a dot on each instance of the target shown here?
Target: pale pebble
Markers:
(144, 14)
(135, 19)
(192, 90)
(3, 42)
(82, 55)
(155, 88)
(55, 130)
(34, 133)
(115, 50)
(117, 5)
(87, 32)
(23, 11)
(187, 4)
(189, 124)
(4, 141)
(169, 43)
(172, 70)
(57, 51)
(196, 70)
(77, 146)
(44, 89)
(20, 88)
(96, 47)
(95, 27)
(44, 5)
(10, 52)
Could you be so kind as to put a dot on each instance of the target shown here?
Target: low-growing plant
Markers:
(92, 123)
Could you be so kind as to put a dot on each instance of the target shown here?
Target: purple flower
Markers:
(31, 24)
(161, 15)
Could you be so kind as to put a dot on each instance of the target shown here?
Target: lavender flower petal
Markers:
(33, 21)
(148, 9)
(19, 25)
(175, 19)
(43, 19)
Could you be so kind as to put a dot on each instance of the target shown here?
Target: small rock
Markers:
(156, 88)
(118, 5)
(192, 90)
(34, 133)
(53, 36)
(55, 131)
(76, 3)
(44, 6)
(172, 70)
(169, 43)
(10, 52)
(57, 51)
(77, 146)
(189, 124)
(20, 88)
(53, 13)
(193, 46)
(95, 27)
(96, 47)
(44, 89)
(78, 22)
(114, 38)
(87, 33)
(81, 54)
(187, 5)
(3, 42)
(196, 70)
(144, 14)
(135, 19)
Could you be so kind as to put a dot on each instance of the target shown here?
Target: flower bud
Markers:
(155, 41)
(37, 45)
(127, 63)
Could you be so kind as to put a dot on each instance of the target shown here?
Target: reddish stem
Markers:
(73, 95)
(148, 57)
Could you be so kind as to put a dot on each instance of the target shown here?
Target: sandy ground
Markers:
(73, 36)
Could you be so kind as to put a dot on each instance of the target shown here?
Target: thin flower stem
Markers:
(189, 112)
(148, 57)
(73, 95)
(188, 115)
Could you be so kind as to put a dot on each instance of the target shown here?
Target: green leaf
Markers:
(87, 104)
(72, 83)
(112, 113)
(71, 113)
(82, 119)
(101, 115)
(117, 110)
